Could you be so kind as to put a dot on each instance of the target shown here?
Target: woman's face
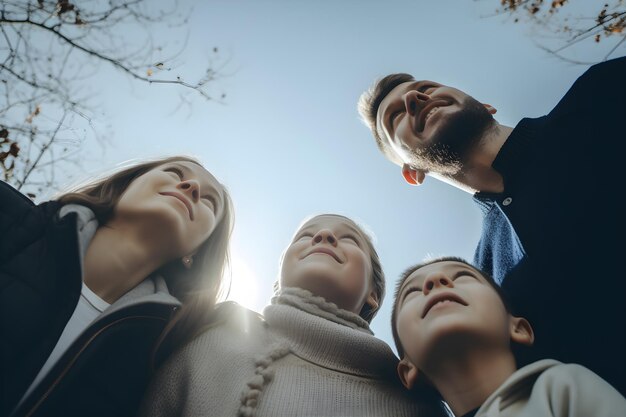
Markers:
(180, 199)
(329, 256)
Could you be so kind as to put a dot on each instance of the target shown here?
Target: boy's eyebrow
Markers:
(404, 285)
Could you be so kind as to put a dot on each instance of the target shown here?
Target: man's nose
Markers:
(325, 235)
(436, 280)
(414, 100)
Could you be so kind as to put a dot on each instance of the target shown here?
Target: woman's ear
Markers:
(521, 331)
(407, 372)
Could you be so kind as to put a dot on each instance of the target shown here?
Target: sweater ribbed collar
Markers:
(513, 158)
(320, 332)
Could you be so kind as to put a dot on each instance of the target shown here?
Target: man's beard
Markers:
(454, 139)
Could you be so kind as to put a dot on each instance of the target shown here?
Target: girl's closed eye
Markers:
(303, 235)
(210, 201)
(350, 237)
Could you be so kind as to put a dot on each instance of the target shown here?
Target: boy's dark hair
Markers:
(369, 102)
(411, 269)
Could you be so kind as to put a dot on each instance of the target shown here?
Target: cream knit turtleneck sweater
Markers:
(307, 358)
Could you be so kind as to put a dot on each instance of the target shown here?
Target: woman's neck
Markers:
(117, 260)
(466, 383)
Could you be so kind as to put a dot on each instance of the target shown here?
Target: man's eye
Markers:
(427, 89)
(176, 171)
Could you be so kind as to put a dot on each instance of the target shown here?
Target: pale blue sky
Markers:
(288, 143)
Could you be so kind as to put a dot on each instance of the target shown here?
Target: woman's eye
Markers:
(304, 235)
(176, 171)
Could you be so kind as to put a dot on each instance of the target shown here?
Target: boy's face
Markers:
(447, 307)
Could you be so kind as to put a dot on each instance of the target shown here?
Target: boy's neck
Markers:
(465, 383)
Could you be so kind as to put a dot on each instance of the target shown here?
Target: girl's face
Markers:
(180, 199)
(329, 256)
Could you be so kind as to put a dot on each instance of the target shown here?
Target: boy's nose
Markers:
(325, 235)
(436, 280)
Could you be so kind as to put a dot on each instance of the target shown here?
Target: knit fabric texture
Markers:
(306, 357)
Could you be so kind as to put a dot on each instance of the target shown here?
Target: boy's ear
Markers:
(412, 175)
(490, 108)
(372, 300)
(521, 331)
(407, 372)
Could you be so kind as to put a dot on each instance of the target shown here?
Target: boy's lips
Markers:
(445, 296)
(325, 251)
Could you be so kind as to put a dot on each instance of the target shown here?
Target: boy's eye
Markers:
(464, 276)
(176, 171)
(411, 290)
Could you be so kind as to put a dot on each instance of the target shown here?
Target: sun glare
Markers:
(244, 285)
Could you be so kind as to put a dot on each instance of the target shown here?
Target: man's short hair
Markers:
(368, 105)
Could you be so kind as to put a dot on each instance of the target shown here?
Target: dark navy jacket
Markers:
(554, 238)
(104, 372)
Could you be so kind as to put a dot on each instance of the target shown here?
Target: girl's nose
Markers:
(325, 235)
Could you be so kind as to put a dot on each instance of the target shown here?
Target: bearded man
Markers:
(551, 192)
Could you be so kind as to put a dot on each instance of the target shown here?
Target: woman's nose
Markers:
(191, 188)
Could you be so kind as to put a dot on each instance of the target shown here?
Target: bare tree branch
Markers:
(49, 52)
(586, 21)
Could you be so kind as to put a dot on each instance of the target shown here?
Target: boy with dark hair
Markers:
(453, 331)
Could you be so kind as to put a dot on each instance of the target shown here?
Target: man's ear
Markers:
(407, 372)
(490, 108)
(372, 300)
(521, 331)
(412, 175)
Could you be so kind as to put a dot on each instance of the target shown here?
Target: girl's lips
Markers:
(325, 251)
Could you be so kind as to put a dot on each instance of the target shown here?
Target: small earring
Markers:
(187, 261)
